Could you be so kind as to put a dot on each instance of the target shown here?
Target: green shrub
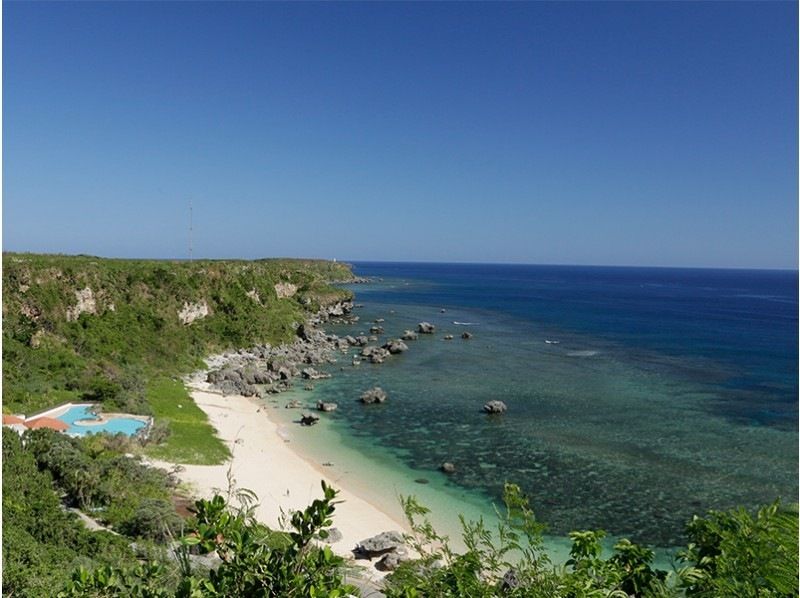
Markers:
(735, 553)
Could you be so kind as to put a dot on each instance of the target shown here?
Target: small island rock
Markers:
(308, 419)
(373, 395)
(494, 407)
(396, 346)
(425, 328)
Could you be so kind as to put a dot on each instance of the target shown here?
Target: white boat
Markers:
(549, 342)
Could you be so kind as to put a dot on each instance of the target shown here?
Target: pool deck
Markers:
(99, 420)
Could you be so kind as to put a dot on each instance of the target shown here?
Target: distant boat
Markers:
(549, 342)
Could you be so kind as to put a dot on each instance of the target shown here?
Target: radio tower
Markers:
(190, 231)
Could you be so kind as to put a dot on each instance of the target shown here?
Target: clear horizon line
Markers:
(386, 261)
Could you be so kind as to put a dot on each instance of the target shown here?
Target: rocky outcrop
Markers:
(312, 374)
(409, 335)
(285, 290)
(341, 310)
(266, 369)
(448, 337)
(396, 346)
(86, 304)
(308, 419)
(230, 381)
(389, 546)
(373, 395)
(31, 312)
(466, 335)
(426, 328)
(193, 311)
(375, 354)
(447, 467)
(495, 407)
(380, 544)
(393, 559)
(326, 407)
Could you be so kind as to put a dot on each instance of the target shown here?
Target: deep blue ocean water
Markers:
(663, 392)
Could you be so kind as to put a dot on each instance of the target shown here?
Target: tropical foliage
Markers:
(130, 329)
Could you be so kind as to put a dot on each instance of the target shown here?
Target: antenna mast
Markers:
(190, 231)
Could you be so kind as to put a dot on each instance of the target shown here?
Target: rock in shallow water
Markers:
(396, 346)
(373, 395)
(308, 419)
(495, 407)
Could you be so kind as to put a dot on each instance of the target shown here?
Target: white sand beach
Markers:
(264, 462)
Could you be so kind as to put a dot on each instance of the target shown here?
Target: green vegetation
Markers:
(130, 330)
(252, 562)
(733, 554)
(190, 438)
(42, 542)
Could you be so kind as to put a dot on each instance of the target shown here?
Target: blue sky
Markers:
(571, 133)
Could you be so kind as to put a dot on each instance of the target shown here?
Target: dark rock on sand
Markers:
(308, 419)
(380, 544)
(392, 560)
(510, 581)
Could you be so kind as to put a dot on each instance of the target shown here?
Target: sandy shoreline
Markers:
(264, 462)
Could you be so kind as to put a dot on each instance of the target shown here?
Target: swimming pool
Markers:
(80, 419)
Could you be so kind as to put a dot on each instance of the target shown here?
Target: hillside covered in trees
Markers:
(91, 328)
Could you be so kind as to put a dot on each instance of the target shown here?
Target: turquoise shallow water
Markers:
(629, 425)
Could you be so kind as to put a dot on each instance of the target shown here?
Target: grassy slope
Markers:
(124, 353)
(191, 438)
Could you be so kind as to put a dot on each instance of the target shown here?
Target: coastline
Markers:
(264, 462)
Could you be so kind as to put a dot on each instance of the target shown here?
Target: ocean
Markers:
(637, 397)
